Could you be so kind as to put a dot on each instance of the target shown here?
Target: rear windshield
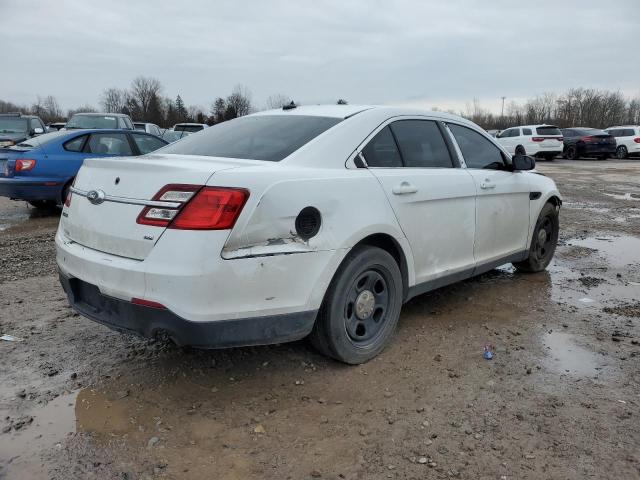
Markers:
(13, 125)
(589, 131)
(41, 140)
(188, 128)
(92, 121)
(268, 137)
(548, 131)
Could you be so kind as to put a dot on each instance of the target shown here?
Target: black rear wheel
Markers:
(544, 241)
(572, 153)
(361, 308)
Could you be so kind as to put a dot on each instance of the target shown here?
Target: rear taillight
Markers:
(589, 139)
(67, 200)
(25, 164)
(560, 139)
(199, 208)
(637, 139)
(537, 139)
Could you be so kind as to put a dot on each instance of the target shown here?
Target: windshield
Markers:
(187, 128)
(263, 137)
(13, 125)
(92, 121)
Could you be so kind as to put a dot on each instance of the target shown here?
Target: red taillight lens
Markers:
(561, 139)
(213, 208)
(162, 216)
(200, 208)
(589, 139)
(67, 200)
(147, 303)
(537, 139)
(637, 139)
(25, 164)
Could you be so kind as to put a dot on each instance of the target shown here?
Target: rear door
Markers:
(502, 207)
(432, 198)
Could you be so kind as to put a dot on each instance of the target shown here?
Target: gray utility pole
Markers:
(502, 113)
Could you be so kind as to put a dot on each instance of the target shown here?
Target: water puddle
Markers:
(50, 425)
(566, 357)
(624, 196)
(620, 251)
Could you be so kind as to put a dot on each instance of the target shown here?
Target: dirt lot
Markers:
(560, 399)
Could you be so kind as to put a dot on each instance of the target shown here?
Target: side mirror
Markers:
(523, 162)
(38, 131)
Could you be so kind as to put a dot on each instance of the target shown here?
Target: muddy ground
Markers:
(560, 399)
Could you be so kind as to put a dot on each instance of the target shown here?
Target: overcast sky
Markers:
(425, 53)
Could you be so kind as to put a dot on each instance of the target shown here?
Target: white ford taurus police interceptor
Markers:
(317, 221)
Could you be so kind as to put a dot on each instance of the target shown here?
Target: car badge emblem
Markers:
(117, 181)
(95, 196)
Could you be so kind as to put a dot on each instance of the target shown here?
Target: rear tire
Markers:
(544, 241)
(621, 152)
(361, 307)
(572, 153)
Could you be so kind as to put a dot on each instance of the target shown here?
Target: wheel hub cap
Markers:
(542, 236)
(365, 303)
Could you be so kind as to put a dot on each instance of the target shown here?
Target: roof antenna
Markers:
(291, 106)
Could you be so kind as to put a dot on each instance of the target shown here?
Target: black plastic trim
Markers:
(149, 322)
(534, 195)
(445, 280)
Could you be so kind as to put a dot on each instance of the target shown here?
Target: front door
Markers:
(502, 207)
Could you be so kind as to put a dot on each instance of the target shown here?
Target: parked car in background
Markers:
(99, 120)
(627, 140)
(41, 169)
(15, 127)
(587, 142)
(494, 133)
(228, 237)
(172, 136)
(541, 141)
(189, 127)
(151, 128)
(54, 127)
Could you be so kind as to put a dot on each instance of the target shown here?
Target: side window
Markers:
(505, 133)
(127, 123)
(147, 143)
(75, 145)
(478, 152)
(628, 132)
(35, 123)
(515, 132)
(421, 144)
(382, 150)
(155, 130)
(108, 144)
(526, 131)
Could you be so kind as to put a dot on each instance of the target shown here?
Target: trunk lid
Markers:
(111, 226)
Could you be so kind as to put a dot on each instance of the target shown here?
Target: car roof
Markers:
(346, 111)
(622, 126)
(98, 114)
(532, 126)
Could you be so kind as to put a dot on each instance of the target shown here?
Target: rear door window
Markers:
(526, 131)
(108, 144)
(76, 144)
(382, 151)
(478, 151)
(628, 132)
(421, 144)
(147, 143)
(549, 130)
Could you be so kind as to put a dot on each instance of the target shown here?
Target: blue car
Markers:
(40, 170)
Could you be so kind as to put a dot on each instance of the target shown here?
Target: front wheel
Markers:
(544, 241)
(361, 308)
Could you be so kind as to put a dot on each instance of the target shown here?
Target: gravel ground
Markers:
(560, 399)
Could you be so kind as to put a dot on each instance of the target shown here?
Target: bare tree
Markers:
(143, 90)
(217, 110)
(114, 100)
(277, 100)
(239, 102)
(86, 108)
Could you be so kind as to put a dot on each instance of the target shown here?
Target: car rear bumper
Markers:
(150, 322)
(587, 150)
(23, 189)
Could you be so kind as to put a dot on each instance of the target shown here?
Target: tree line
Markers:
(578, 107)
(144, 100)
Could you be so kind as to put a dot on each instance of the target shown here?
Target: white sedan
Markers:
(319, 220)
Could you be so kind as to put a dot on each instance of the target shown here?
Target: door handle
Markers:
(404, 188)
(487, 185)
